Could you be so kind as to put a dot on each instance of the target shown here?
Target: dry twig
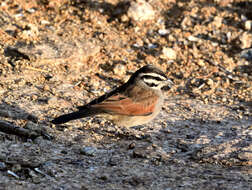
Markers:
(9, 128)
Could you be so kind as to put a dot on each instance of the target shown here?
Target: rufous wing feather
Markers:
(122, 105)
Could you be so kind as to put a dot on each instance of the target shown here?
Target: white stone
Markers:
(193, 38)
(246, 40)
(248, 24)
(141, 11)
(168, 53)
(163, 32)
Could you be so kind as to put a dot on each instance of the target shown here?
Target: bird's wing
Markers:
(124, 105)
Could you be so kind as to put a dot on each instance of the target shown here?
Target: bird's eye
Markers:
(166, 88)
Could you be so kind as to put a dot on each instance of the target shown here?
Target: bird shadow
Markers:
(200, 136)
(15, 112)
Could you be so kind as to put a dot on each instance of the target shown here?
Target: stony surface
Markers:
(55, 55)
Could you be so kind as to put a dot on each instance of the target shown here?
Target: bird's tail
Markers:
(74, 115)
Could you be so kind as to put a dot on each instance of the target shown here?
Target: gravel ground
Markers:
(56, 55)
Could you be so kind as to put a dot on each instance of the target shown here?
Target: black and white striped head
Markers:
(152, 77)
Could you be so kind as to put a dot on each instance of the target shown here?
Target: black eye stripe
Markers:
(151, 77)
(151, 84)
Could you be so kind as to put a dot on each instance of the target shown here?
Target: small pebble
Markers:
(201, 63)
(247, 54)
(36, 179)
(163, 32)
(248, 24)
(132, 145)
(186, 22)
(136, 45)
(44, 22)
(140, 153)
(16, 168)
(12, 174)
(229, 36)
(104, 177)
(246, 40)
(88, 151)
(115, 160)
(141, 11)
(19, 15)
(52, 100)
(167, 130)
(245, 155)
(193, 38)
(124, 18)
(152, 46)
(2, 166)
(120, 69)
(32, 173)
(217, 21)
(168, 53)
(31, 10)
(46, 87)
(243, 17)
(210, 82)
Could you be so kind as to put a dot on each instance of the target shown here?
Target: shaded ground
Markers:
(56, 55)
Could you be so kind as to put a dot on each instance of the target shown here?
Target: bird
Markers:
(134, 103)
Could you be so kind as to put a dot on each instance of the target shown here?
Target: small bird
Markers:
(136, 102)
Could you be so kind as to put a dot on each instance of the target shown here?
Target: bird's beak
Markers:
(168, 85)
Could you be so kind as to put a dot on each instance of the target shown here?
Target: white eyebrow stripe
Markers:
(151, 81)
(153, 75)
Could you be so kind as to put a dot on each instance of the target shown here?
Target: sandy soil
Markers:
(56, 55)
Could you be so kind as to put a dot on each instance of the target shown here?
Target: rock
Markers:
(163, 32)
(46, 87)
(32, 32)
(120, 69)
(201, 63)
(193, 38)
(186, 22)
(132, 145)
(248, 24)
(243, 17)
(44, 22)
(246, 40)
(217, 21)
(168, 53)
(229, 36)
(140, 153)
(104, 177)
(34, 176)
(10, 173)
(247, 54)
(115, 160)
(141, 11)
(245, 156)
(210, 82)
(124, 18)
(2, 166)
(31, 10)
(152, 46)
(88, 151)
(52, 100)
(16, 168)
(166, 130)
